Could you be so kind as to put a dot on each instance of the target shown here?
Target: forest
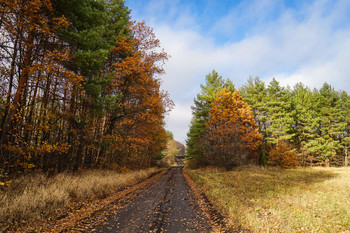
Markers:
(79, 87)
(268, 124)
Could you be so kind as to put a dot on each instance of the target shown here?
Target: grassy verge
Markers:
(38, 197)
(167, 161)
(278, 200)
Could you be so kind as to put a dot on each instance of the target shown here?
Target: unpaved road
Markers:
(166, 206)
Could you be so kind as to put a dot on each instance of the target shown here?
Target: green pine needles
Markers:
(315, 122)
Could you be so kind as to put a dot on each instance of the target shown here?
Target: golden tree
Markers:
(32, 76)
(232, 136)
(136, 125)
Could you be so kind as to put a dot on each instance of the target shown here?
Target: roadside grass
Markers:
(167, 161)
(265, 199)
(38, 197)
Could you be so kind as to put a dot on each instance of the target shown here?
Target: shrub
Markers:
(283, 155)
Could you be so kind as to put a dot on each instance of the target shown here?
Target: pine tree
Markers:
(304, 101)
(345, 117)
(280, 113)
(254, 93)
(330, 126)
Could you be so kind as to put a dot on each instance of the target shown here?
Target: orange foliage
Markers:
(231, 129)
(140, 132)
(283, 155)
(48, 120)
(33, 78)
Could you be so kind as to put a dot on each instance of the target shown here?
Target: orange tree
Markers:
(283, 155)
(31, 77)
(135, 125)
(80, 90)
(232, 136)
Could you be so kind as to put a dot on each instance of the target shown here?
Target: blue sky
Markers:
(293, 41)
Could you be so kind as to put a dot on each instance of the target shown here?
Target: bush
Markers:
(283, 155)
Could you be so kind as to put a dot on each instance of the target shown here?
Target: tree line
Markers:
(79, 87)
(269, 124)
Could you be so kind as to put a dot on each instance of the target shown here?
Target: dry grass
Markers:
(38, 197)
(278, 200)
(167, 161)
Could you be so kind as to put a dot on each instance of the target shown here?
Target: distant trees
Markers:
(79, 87)
(314, 122)
(297, 126)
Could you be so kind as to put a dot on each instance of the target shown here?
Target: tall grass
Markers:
(278, 200)
(167, 161)
(37, 197)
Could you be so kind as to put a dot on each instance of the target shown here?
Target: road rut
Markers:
(166, 206)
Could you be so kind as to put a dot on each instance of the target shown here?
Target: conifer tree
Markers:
(330, 126)
(304, 101)
(345, 116)
(254, 93)
(280, 113)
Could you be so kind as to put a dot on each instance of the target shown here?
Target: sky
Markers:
(293, 41)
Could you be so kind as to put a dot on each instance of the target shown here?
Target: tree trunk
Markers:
(22, 84)
(346, 161)
(9, 93)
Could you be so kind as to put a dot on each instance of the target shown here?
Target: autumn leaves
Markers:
(139, 134)
(80, 87)
(223, 131)
(231, 131)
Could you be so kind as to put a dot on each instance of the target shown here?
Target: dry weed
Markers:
(280, 200)
(37, 197)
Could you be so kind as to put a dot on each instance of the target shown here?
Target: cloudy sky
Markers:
(293, 41)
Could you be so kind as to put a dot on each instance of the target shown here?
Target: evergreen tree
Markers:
(254, 93)
(304, 101)
(94, 27)
(330, 126)
(345, 116)
(280, 113)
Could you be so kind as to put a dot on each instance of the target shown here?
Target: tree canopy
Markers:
(80, 87)
(313, 124)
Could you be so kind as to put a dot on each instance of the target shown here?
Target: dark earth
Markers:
(166, 206)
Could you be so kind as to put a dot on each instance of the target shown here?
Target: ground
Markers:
(167, 204)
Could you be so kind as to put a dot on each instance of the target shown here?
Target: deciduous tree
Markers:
(200, 111)
(232, 134)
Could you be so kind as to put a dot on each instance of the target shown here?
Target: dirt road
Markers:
(166, 206)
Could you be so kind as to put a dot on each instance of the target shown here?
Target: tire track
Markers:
(166, 206)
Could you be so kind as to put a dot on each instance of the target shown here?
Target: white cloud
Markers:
(309, 45)
(179, 120)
